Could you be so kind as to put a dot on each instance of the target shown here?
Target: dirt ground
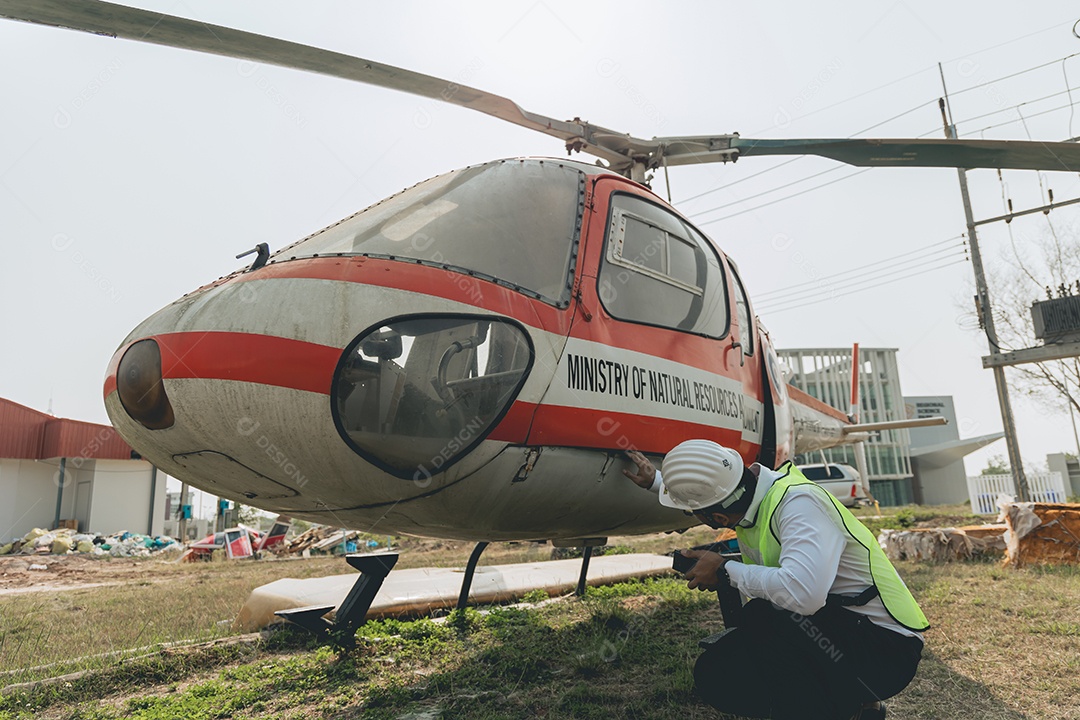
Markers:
(32, 573)
(24, 573)
(28, 573)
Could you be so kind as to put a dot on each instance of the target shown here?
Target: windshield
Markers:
(512, 221)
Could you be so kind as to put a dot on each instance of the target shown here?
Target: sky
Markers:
(131, 174)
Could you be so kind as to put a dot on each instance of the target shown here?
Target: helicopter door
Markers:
(644, 363)
(743, 349)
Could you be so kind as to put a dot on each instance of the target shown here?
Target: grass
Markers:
(1003, 646)
(908, 516)
(44, 634)
(47, 628)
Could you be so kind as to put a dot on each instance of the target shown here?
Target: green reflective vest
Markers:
(762, 538)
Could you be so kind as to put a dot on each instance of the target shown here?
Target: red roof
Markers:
(27, 434)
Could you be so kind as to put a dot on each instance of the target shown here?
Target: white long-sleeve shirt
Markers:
(818, 556)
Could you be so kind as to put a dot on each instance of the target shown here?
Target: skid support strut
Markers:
(586, 555)
(352, 613)
(470, 571)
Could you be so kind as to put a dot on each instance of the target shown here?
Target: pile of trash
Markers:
(943, 544)
(64, 541)
(238, 542)
(322, 540)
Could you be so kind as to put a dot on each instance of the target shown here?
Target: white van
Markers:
(840, 480)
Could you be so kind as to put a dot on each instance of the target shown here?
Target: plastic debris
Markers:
(61, 545)
(63, 541)
(323, 540)
(943, 543)
(238, 542)
(33, 535)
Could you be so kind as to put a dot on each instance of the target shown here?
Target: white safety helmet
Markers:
(697, 474)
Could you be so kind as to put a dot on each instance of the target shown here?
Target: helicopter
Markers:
(470, 358)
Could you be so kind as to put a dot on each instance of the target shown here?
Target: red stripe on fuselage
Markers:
(583, 427)
(247, 357)
(703, 353)
(514, 427)
(281, 362)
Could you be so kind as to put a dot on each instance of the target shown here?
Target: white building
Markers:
(937, 452)
(55, 471)
(825, 373)
(917, 465)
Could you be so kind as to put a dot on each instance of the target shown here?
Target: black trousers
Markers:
(782, 665)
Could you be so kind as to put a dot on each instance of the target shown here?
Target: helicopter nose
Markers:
(140, 388)
(411, 395)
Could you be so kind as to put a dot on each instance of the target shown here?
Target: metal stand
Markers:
(470, 570)
(352, 613)
(474, 558)
(586, 554)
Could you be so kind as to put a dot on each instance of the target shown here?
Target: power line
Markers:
(786, 197)
(868, 265)
(761, 172)
(777, 309)
(839, 167)
(854, 97)
(884, 122)
(919, 72)
(1008, 42)
(1015, 74)
(1066, 91)
(874, 278)
(767, 192)
(788, 162)
(1013, 122)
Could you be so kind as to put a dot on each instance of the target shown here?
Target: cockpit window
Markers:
(414, 395)
(515, 222)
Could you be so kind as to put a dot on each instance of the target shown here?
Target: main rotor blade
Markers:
(876, 152)
(104, 18)
(937, 152)
(619, 149)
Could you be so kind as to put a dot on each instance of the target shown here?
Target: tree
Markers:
(1038, 266)
(997, 465)
(251, 516)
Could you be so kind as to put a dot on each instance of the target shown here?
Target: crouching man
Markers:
(830, 629)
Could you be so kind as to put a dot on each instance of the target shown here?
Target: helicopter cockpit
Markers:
(414, 395)
(513, 222)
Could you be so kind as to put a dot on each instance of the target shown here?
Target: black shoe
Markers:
(871, 711)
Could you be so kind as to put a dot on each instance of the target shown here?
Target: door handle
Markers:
(742, 358)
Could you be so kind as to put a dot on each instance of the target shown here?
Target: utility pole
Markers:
(986, 317)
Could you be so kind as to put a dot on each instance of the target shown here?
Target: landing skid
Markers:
(474, 559)
(373, 568)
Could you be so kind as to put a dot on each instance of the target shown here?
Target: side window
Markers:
(658, 271)
(742, 313)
